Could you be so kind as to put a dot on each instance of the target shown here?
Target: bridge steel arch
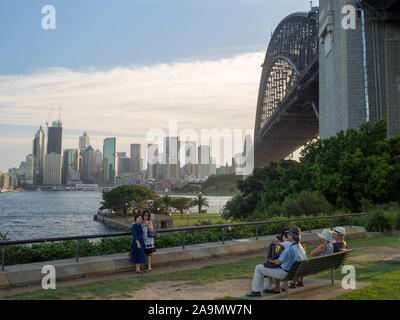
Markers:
(287, 106)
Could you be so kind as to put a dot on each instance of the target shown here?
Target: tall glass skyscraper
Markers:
(109, 160)
(54, 138)
(53, 164)
(39, 155)
(136, 158)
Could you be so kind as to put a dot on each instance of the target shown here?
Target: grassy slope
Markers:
(384, 276)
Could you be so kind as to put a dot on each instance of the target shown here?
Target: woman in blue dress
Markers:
(137, 247)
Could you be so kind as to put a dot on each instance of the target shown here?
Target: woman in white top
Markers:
(149, 247)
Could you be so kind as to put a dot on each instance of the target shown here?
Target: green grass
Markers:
(384, 276)
(101, 289)
(193, 218)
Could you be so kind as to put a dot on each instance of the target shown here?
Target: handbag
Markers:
(273, 252)
(271, 265)
(152, 234)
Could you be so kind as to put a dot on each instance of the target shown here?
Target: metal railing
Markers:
(223, 227)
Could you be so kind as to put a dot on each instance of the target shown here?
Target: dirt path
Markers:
(376, 253)
(181, 290)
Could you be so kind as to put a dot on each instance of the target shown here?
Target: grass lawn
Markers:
(384, 276)
(194, 218)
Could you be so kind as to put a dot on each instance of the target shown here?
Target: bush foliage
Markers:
(348, 170)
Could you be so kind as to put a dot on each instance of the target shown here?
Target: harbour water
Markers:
(32, 215)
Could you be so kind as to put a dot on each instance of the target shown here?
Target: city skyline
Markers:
(213, 86)
(139, 151)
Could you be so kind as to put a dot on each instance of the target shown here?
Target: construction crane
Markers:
(49, 117)
(59, 115)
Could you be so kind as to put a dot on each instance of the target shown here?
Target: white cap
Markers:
(339, 230)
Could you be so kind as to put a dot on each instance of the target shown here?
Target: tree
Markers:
(127, 196)
(181, 203)
(158, 207)
(200, 202)
(167, 200)
(347, 169)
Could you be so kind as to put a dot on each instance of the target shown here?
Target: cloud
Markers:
(129, 101)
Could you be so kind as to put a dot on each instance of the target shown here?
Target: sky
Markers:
(122, 68)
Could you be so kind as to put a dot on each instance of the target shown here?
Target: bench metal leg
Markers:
(286, 289)
(333, 276)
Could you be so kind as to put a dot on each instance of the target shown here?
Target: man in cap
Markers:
(338, 235)
(285, 261)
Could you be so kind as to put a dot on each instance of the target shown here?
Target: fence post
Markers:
(183, 240)
(310, 226)
(3, 257)
(223, 235)
(78, 244)
(351, 221)
(332, 224)
(256, 232)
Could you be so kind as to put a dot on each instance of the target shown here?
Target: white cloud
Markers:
(129, 101)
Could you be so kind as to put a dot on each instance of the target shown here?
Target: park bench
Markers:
(316, 265)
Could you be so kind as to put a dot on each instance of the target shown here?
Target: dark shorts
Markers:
(149, 250)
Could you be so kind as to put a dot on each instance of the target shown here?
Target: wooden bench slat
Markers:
(317, 264)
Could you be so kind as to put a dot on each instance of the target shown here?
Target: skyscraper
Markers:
(190, 158)
(53, 163)
(153, 165)
(204, 161)
(136, 159)
(71, 163)
(54, 138)
(171, 157)
(124, 163)
(39, 155)
(4, 180)
(29, 169)
(88, 162)
(109, 160)
(84, 142)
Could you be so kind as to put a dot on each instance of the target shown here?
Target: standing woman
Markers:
(149, 247)
(137, 246)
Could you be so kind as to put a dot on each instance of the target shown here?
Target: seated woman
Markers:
(326, 246)
(338, 235)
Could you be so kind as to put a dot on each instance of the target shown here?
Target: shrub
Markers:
(304, 203)
(379, 220)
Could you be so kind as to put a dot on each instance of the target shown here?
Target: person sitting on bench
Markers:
(338, 235)
(326, 246)
(283, 264)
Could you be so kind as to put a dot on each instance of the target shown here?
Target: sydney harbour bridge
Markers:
(287, 107)
(314, 78)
